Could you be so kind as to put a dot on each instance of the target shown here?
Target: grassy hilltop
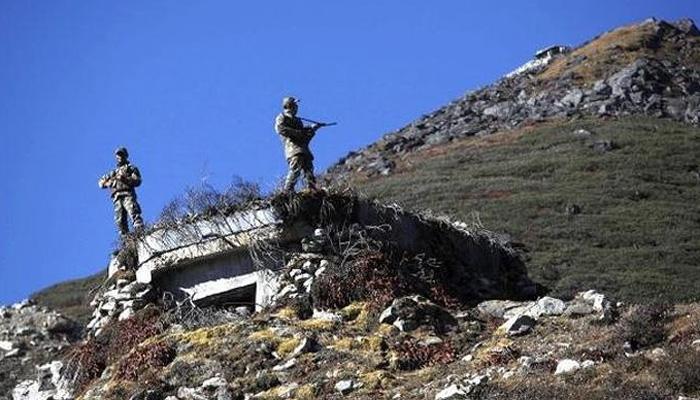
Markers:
(624, 220)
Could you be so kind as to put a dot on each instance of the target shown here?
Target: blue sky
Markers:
(191, 88)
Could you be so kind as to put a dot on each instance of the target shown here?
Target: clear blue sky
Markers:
(192, 87)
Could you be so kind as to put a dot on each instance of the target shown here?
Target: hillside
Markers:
(581, 172)
(612, 206)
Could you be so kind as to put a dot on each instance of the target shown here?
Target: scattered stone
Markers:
(549, 306)
(410, 312)
(567, 366)
(578, 309)
(582, 133)
(587, 364)
(6, 345)
(345, 386)
(430, 341)
(327, 316)
(214, 382)
(13, 353)
(518, 325)
(452, 392)
(306, 345)
(126, 314)
(603, 146)
(289, 364)
(498, 308)
(294, 272)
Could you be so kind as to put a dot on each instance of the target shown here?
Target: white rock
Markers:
(12, 353)
(214, 382)
(326, 315)
(478, 380)
(324, 264)
(587, 364)
(518, 325)
(452, 392)
(567, 366)
(122, 282)
(190, 394)
(468, 358)
(595, 299)
(306, 345)
(126, 314)
(6, 346)
(550, 306)
(285, 291)
(431, 340)
(388, 316)
(287, 391)
(294, 272)
(526, 361)
(302, 277)
(243, 311)
(345, 386)
(291, 363)
(320, 271)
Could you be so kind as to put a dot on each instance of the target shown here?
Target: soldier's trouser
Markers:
(125, 204)
(298, 164)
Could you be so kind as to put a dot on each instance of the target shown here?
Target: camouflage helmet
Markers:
(288, 101)
(121, 151)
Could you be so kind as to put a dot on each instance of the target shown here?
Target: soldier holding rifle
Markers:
(296, 137)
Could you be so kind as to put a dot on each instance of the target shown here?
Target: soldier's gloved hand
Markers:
(316, 126)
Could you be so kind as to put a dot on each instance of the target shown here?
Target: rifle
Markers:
(320, 124)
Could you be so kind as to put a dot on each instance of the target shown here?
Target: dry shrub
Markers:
(412, 355)
(643, 325)
(503, 356)
(153, 355)
(379, 274)
(680, 371)
(368, 277)
(86, 361)
(206, 201)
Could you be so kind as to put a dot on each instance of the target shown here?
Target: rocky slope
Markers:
(651, 68)
(30, 337)
(362, 327)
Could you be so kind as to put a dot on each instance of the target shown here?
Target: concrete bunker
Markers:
(213, 260)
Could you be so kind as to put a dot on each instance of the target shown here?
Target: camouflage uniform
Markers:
(296, 137)
(122, 181)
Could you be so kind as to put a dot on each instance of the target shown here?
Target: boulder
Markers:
(572, 99)
(410, 312)
(548, 306)
(567, 366)
(518, 325)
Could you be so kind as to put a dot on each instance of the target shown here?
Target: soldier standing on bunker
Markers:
(296, 137)
(122, 181)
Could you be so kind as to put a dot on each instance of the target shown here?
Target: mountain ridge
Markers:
(628, 70)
